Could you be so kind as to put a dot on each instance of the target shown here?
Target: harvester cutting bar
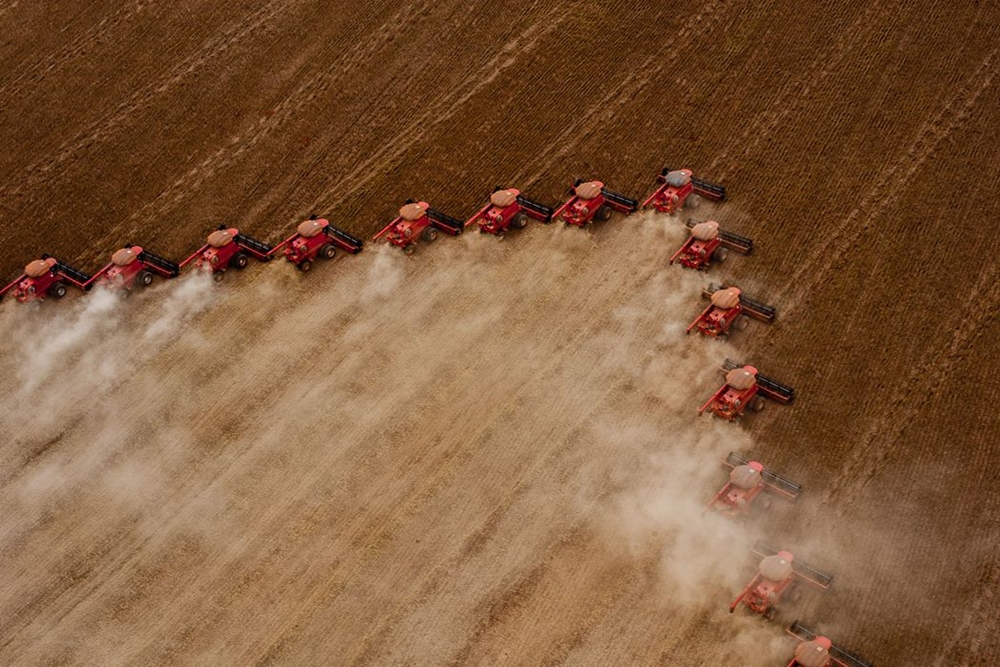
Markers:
(847, 658)
(807, 572)
(620, 201)
(770, 388)
(782, 484)
(701, 186)
(535, 209)
(258, 249)
(162, 266)
(734, 242)
(74, 276)
(445, 223)
(344, 240)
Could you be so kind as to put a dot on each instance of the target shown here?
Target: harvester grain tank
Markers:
(46, 277)
(590, 201)
(133, 266)
(818, 651)
(778, 573)
(417, 220)
(707, 243)
(316, 238)
(729, 307)
(750, 483)
(745, 387)
(227, 248)
(508, 209)
(676, 187)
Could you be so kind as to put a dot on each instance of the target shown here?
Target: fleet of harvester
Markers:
(749, 482)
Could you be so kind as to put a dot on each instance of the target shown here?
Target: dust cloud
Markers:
(206, 414)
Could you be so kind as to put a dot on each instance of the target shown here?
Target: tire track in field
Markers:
(186, 186)
(817, 266)
(38, 70)
(619, 96)
(445, 107)
(977, 628)
(871, 451)
(794, 92)
(40, 171)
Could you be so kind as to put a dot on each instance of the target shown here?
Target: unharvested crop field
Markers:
(489, 452)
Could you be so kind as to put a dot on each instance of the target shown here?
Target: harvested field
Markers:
(488, 453)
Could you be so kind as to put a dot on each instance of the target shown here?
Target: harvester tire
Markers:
(240, 261)
(57, 291)
(603, 213)
(429, 234)
(217, 276)
(693, 201)
(327, 251)
(720, 254)
(520, 221)
(408, 249)
(757, 404)
(144, 278)
(305, 265)
(741, 322)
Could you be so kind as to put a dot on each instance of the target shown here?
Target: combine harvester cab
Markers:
(226, 248)
(818, 651)
(133, 266)
(744, 387)
(316, 238)
(507, 209)
(46, 277)
(729, 307)
(418, 220)
(707, 243)
(676, 187)
(591, 201)
(750, 482)
(777, 574)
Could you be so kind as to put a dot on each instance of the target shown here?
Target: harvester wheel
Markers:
(408, 249)
(327, 251)
(693, 201)
(240, 260)
(429, 234)
(757, 404)
(603, 213)
(720, 254)
(520, 221)
(217, 276)
(795, 594)
(741, 322)
(305, 265)
(57, 291)
(144, 278)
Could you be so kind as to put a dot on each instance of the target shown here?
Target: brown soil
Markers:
(489, 453)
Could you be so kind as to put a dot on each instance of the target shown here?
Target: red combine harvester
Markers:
(131, 266)
(729, 307)
(226, 248)
(418, 220)
(748, 480)
(777, 574)
(707, 243)
(676, 186)
(744, 387)
(316, 238)
(591, 200)
(46, 277)
(507, 209)
(818, 651)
